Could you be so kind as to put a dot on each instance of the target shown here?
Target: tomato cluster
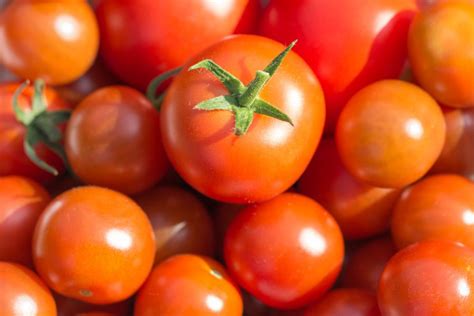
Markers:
(237, 157)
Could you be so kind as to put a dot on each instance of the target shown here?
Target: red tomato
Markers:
(390, 134)
(286, 252)
(23, 292)
(113, 140)
(143, 38)
(361, 210)
(272, 155)
(93, 244)
(22, 201)
(349, 44)
(70, 307)
(438, 207)
(62, 39)
(201, 281)
(429, 278)
(13, 158)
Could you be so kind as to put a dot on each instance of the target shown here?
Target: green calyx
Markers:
(41, 126)
(243, 101)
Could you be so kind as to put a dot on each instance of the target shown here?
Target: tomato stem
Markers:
(157, 100)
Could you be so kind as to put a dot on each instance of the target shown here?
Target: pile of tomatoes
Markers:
(237, 157)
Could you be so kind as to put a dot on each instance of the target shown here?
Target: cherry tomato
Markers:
(113, 140)
(143, 38)
(438, 207)
(286, 252)
(201, 281)
(22, 200)
(361, 210)
(347, 43)
(23, 292)
(390, 134)
(93, 244)
(365, 265)
(180, 222)
(70, 307)
(53, 40)
(13, 158)
(441, 49)
(272, 155)
(428, 278)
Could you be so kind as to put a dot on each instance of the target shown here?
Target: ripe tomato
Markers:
(23, 292)
(438, 207)
(429, 278)
(344, 302)
(70, 307)
(201, 281)
(12, 133)
(361, 210)
(107, 253)
(365, 265)
(180, 222)
(143, 38)
(441, 49)
(62, 39)
(113, 140)
(286, 252)
(272, 154)
(390, 134)
(22, 200)
(347, 43)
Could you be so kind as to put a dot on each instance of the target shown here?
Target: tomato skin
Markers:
(111, 237)
(390, 134)
(13, 158)
(347, 44)
(361, 210)
(202, 281)
(437, 207)
(267, 232)
(428, 278)
(22, 200)
(440, 44)
(63, 39)
(144, 38)
(113, 140)
(272, 155)
(249, 20)
(22, 291)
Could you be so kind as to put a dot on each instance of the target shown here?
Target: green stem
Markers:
(157, 100)
(254, 88)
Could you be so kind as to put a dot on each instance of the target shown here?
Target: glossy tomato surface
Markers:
(53, 40)
(272, 155)
(143, 38)
(286, 252)
(113, 140)
(203, 283)
(93, 244)
(348, 44)
(429, 278)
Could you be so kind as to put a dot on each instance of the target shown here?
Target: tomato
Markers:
(429, 278)
(365, 265)
(202, 281)
(438, 207)
(286, 252)
(70, 307)
(22, 200)
(390, 134)
(344, 302)
(23, 292)
(12, 133)
(441, 49)
(348, 44)
(143, 38)
(93, 244)
(272, 154)
(180, 222)
(361, 210)
(58, 43)
(113, 140)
